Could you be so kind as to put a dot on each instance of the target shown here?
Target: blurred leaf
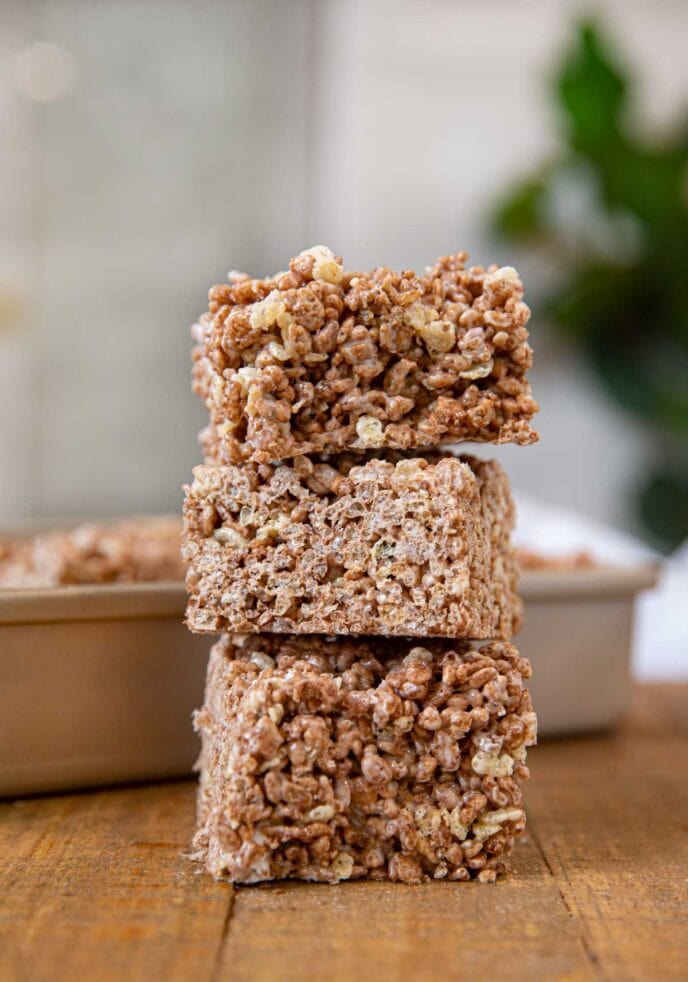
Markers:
(633, 377)
(592, 298)
(648, 182)
(522, 214)
(644, 367)
(623, 295)
(592, 92)
(664, 507)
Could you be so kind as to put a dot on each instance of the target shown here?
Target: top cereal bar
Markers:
(319, 360)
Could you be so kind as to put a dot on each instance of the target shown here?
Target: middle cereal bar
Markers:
(391, 545)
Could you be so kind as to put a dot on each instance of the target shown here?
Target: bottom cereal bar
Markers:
(329, 759)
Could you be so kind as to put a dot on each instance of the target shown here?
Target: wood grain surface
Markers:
(96, 885)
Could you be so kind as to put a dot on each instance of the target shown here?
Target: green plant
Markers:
(622, 259)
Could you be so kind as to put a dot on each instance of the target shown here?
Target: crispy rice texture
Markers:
(391, 545)
(134, 550)
(319, 360)
(332, 759)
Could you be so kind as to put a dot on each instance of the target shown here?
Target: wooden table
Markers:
(96, 885)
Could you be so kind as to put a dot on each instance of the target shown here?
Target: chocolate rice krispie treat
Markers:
(132, 550)
(332, 759)
(319, 360)
(531, 561)
(390, 545)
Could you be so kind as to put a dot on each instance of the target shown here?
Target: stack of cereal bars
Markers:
(365, 712)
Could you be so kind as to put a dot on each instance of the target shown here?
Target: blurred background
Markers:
(152, 146)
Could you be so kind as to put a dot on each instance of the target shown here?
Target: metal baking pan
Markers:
(578, 636)
(97, 683)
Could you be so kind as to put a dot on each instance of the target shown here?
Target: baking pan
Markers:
(97, 683)
(578, 636)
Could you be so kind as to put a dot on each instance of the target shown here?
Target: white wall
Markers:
(170, 161)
